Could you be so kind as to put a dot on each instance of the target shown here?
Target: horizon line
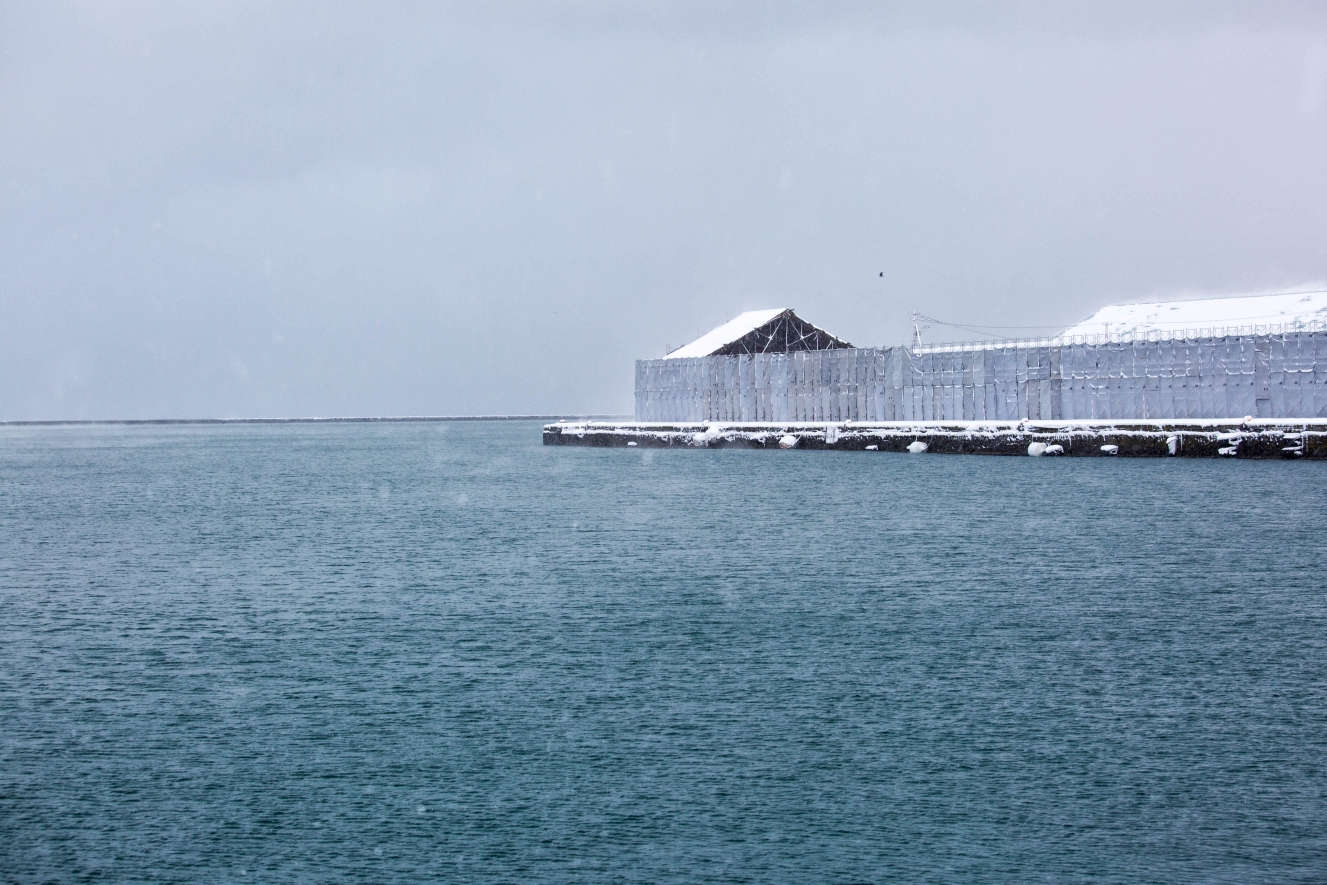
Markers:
(334, 420)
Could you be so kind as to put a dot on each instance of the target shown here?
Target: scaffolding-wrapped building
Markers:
(805, 374)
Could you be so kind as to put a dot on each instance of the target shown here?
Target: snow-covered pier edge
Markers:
(1193, 438)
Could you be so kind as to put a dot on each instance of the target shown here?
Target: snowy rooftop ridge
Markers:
(738, 327)
(1287, 309)
(760, 331)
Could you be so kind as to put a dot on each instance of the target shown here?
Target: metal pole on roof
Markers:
(920, 323)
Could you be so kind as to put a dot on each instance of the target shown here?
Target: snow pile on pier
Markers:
(1247, 438)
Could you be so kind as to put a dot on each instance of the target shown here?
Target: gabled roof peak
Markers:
(776, 330)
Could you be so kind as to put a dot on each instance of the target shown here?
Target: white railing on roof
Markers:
(1129, 337)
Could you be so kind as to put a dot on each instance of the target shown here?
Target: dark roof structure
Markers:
(761, 331)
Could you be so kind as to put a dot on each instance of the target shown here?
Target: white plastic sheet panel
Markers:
(1283, 376)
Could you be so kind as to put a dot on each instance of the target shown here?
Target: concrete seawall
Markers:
(1290, 440)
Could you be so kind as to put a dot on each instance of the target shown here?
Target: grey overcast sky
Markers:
(268, 209)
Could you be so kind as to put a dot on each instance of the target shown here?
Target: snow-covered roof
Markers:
(738, 327)
(760, 331)
(1205, 313)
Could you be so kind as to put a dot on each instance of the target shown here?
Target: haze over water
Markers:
(442, 652)
(222, 209)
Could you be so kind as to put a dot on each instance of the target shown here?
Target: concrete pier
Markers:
(1215, 438)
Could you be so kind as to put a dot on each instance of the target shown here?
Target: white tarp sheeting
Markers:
(1266, 376)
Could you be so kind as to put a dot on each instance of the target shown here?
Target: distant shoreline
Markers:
(401, 419)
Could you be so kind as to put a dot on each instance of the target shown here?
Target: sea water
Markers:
(440, 652)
